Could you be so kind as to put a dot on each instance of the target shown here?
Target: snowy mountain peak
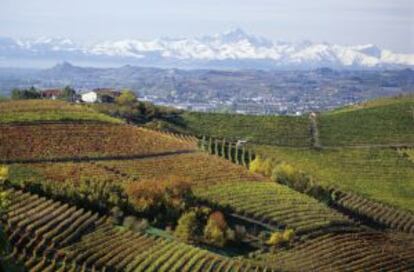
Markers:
(233, 35)
(233, 49)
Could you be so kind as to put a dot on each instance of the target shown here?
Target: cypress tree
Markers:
(216, 147)
(210, 145)
(223, 148)
(229, 151)
(203, 143)
(243, 160)
(236, 155)
(250, 158)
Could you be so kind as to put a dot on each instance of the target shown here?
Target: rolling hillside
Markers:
(95, 194)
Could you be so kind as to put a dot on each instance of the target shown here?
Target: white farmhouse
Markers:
(90, 97)
(100, 95)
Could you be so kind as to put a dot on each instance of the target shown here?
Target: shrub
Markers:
(288, 235)
(261, 166)
(135, 224)
(187, 227)
(4, 173)
(284, 173)
(280, 238)
(275, 239)
(127, 97)
(4, 200)
(117, 215)
(129, 222)
(240, 232)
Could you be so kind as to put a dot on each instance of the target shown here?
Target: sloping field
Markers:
(32, 111)
(74, 141)
(274, 204)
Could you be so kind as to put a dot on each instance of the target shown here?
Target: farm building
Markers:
(101, 95)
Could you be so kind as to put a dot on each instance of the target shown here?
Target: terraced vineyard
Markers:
(199, 168)
(74, 141)
(274, 130)
(386, 121)
(63, 172)
(46, 234)
(379, 174)
(383, 214)
(361, 251)
(274, 204)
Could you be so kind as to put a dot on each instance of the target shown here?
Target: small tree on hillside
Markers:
(127, 97)
(217, 232)
(4, 173)
(68, 94)
(187, 227)
(31, 93)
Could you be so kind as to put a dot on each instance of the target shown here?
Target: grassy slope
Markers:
(275, 130)
(27, 111)
(382, 121)
(381, 174)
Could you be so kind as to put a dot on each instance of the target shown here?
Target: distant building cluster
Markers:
(98, 95)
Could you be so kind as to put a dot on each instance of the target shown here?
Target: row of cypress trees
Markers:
(228, 150)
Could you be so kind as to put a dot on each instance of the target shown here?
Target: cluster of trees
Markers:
(163, 201)
(128, 107)
(67, 93)
(287, 174)
(204, 225)
(31, 93)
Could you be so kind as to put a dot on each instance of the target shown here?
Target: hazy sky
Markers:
(387, 23)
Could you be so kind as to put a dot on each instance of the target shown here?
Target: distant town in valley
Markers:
(270, 92)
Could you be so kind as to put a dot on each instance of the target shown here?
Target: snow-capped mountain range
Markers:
(230, 50)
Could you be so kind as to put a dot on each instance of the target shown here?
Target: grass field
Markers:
(381, 174)
(29, 111)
